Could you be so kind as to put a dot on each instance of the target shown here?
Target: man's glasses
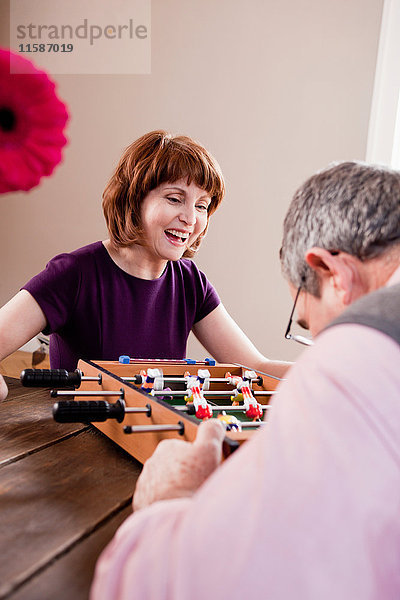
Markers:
(290, 336)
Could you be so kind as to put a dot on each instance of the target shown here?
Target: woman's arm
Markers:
(20, 320)
(227, 343)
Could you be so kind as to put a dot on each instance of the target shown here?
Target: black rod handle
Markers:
(50, 378)
(87, 411)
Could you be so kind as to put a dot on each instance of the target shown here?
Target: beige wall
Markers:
(274, 89)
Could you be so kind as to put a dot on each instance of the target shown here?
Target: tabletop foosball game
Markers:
(137, 403)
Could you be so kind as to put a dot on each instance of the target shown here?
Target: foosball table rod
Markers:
(207, 393)
(138, 379)
(62, 378)
(164, 393)
(88, 393)
(55, 378)
(91, 411)
(180, 427)
(71, 411)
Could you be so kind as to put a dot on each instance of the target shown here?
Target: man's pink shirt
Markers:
(308, 509)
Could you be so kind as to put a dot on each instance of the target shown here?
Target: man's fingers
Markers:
(212, 431)
(178, 468)
(3, 389)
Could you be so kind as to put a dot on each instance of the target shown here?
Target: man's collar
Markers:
(394, 278)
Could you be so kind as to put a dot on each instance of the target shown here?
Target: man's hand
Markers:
(3, 389)
(177, 468)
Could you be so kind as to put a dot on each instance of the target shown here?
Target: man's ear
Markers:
(338, 270)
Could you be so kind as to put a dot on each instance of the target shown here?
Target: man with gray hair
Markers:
(309, 508)
(341, 233)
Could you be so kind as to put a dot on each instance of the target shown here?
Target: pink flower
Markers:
(32, 120)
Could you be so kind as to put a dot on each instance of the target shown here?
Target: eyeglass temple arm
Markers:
(292, 313)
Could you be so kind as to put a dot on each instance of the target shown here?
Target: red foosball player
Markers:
(202, 408)
(252, 407)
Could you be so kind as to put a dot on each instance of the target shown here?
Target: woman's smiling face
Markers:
(173, 215)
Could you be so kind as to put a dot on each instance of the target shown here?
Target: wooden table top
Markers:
(64, 490)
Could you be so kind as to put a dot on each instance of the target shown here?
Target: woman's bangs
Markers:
(196, 169)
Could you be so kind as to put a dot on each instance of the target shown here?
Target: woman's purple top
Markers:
(95, 310)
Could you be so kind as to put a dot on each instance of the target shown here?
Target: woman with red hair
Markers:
(137, 293)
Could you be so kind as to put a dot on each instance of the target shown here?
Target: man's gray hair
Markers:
(350, 207)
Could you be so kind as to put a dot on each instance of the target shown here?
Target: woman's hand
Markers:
(20, 320)
(177, 468)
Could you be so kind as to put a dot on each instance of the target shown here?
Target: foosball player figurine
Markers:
(203, 377)
(252, 408)
(236, 381)
(152, 380)
(203, 410)
(231, 423)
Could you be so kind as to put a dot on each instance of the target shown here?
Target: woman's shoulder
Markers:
(91, 250)
(72, 264)
(81, 255)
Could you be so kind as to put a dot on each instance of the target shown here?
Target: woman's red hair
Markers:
(155, 158)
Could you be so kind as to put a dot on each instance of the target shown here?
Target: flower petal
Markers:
(32, 147)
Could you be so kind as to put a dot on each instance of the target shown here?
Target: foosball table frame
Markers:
(142, 445)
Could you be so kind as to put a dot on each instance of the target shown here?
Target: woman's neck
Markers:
(135, 261)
